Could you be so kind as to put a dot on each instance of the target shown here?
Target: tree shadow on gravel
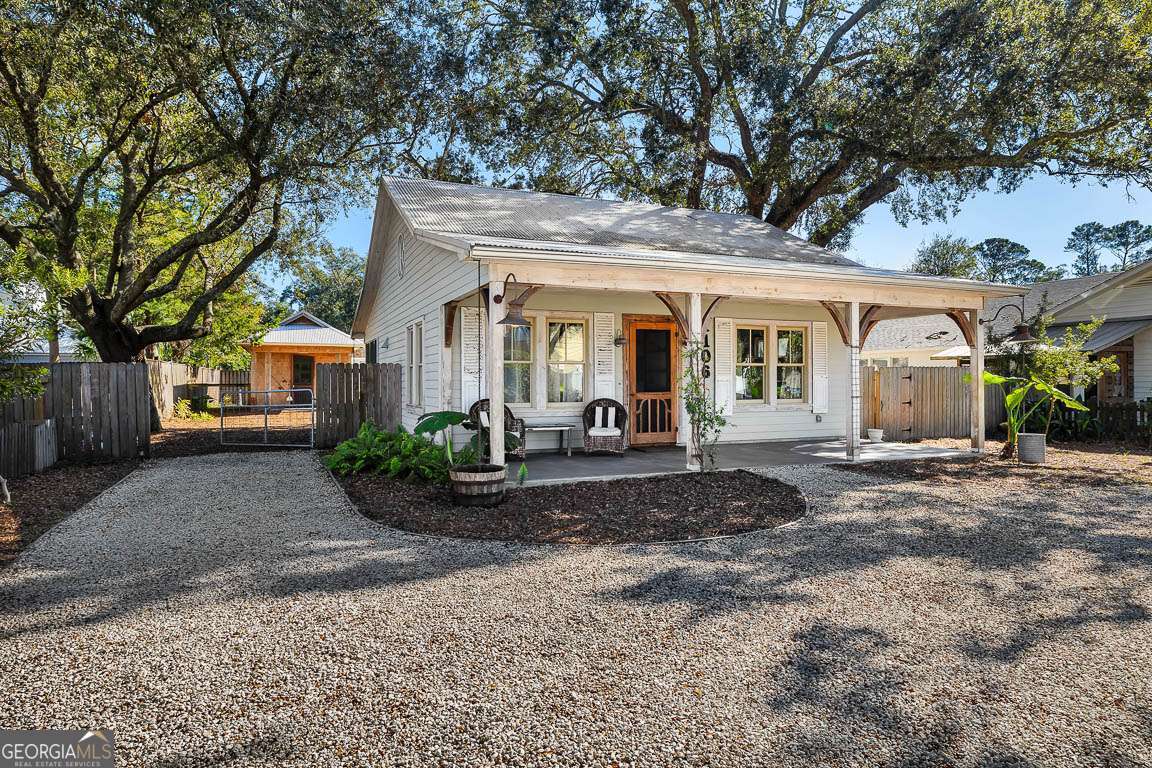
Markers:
(873, 522)
(88, 575)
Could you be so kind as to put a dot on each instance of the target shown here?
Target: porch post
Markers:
(852, 438)
(695, 321)
(496, 373)
(976, 369)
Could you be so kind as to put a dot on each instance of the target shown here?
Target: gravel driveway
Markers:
(232, 610)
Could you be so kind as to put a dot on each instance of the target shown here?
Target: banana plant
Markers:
(1019, 408)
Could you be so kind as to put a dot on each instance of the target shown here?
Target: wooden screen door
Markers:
(653, 361)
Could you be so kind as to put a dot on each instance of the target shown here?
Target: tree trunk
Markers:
(54, 343)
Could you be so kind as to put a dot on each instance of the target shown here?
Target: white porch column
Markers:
(695, 320)
(496, 372)
(976, 369)
(853, 427)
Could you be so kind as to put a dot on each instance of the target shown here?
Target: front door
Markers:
(302, 369)
(653, 358)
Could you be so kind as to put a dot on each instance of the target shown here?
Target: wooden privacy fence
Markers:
(918, 402)
(350, 394)
(27, 447)
(99, 409)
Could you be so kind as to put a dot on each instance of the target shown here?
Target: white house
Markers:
(610, 290)
(1122, 299)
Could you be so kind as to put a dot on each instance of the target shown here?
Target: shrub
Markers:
(399, 454)
(183, 410)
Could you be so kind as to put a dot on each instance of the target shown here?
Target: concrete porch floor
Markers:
(554, 467)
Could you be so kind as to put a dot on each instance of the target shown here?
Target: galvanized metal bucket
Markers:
(1030, 446)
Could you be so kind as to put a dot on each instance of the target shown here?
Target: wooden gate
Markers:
(919, 402)
(350, 394)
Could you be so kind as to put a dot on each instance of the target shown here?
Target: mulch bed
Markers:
(632, 510)
(41, 501)
(1089, 465)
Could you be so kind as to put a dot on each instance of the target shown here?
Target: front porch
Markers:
(547, 468)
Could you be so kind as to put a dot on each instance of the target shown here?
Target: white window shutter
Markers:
(604, 334)
(724, 364)
(819, 367)
(472, 357)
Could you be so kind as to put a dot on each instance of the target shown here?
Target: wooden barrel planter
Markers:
(478, 485)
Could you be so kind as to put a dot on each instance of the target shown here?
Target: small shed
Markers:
(286, 357)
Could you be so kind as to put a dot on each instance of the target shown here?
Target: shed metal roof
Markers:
(305, 329)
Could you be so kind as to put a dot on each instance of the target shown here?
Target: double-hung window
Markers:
(791, 365)
(518, 364)
(416, 364)
(772, 363)
(750, 363)
(566, 361)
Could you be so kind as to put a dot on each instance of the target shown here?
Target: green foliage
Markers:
(705, 419)
(328, 285)
(163, 149)
(399, 454)
(1005, 261)
(17, 336)
(1086, 242)
(239, 317)
(946, 256)
(522, 474)
(1020, 407)
(1130, 243)
(807, 113)
(183, 409)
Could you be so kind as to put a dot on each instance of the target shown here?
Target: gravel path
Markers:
(228, 610)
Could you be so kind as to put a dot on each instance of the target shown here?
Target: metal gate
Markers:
(281, 418)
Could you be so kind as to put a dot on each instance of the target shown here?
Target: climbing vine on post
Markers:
(705, 420)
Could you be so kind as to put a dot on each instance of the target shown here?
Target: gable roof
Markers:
(493, 215)
(925, 332)
(304, 328)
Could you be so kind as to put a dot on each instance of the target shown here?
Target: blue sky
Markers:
(1040, 215)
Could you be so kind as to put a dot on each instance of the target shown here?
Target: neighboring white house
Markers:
(1122, 299)
(611, 289)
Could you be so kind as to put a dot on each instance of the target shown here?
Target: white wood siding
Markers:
(1128, 301)
(748, 423)
(432, 276)
(1142, 364)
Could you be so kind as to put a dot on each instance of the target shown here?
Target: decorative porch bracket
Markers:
(682, 323)
(868, 320)
(677, 313)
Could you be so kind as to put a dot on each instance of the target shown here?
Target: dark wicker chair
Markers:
(605, 438)
(511, 424)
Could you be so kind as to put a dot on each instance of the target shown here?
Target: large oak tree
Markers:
(807, 112)
(151, 149)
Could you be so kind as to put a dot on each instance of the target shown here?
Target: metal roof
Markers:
(541, 217)
(305, 329)
(1107, 335)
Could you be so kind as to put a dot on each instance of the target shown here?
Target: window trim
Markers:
(770, 401)
(568, 319)
(805, 366)
(415, 363)
(531, 363)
